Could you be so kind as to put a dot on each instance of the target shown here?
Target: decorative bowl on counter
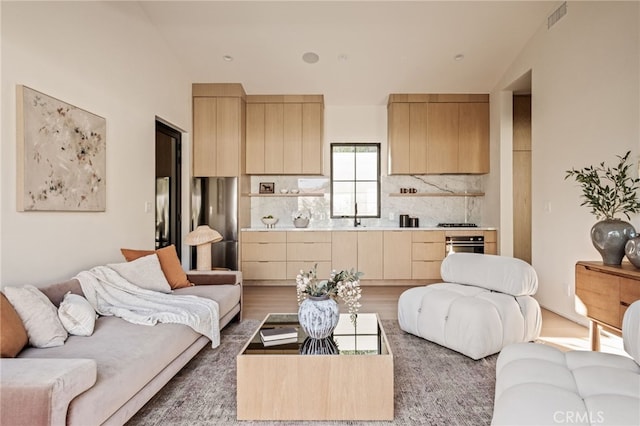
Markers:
(269, 221)
(284, 191)
(301, 222)
(295, 191)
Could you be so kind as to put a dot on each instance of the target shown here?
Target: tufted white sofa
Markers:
(540, 385)
(484, 304)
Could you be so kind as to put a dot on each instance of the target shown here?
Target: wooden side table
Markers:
(606, 291)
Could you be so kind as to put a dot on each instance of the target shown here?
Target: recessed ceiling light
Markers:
(228, 58)
(342, 57)
(459, 57)
(310, 57)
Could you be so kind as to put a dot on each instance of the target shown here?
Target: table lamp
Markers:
(202, 237)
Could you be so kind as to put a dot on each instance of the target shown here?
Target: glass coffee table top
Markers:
(364, 338)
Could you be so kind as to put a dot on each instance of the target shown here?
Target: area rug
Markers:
(433, 385)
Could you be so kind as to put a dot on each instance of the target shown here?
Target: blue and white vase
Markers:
(318, 316)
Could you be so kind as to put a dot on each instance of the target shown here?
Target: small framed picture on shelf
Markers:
(267, 187)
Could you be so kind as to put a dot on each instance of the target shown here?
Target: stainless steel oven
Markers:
(465, 244)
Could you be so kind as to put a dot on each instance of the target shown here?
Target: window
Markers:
(355, 180)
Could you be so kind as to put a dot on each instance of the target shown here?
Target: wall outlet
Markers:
(392, 216)
(147, 206)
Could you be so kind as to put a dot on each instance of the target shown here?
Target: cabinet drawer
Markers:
(490, 236)
(309, 251)
(264, 237)
(294, 268)
(264, 252)
(600, 293)
(425, 270)
(427, 236)
(309, 237)
(490, 248)
(264, 270)
(428, 251)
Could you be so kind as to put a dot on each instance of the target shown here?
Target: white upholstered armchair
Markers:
(484, 304)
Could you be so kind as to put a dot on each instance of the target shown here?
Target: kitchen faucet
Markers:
(356, 221)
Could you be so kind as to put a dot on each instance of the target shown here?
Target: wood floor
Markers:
(556, 330)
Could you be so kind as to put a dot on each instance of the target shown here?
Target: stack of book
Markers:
(278, 336)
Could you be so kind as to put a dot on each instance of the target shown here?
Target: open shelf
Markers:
(439, 194)
(302, 194)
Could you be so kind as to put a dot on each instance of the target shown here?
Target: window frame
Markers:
(355, 145)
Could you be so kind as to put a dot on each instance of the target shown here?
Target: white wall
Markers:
(103, 57)
(585, 108)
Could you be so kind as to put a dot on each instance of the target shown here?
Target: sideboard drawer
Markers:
(629, 293)
(600, 293)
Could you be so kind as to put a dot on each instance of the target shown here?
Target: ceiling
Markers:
(366, 49)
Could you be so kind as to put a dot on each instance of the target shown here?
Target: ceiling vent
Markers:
(557, 15)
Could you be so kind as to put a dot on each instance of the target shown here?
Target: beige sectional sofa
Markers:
(107, 377)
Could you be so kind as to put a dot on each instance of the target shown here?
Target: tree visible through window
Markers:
(355, 180)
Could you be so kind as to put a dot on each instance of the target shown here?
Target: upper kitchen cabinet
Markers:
(438, 134)
(284, 134)
(218, 129)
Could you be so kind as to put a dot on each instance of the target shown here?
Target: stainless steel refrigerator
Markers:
(214, 202)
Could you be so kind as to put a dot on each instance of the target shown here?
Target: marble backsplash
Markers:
(429, 210)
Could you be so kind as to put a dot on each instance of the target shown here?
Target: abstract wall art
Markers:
(61, 155)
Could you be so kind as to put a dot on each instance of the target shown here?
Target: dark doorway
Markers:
(168, 184)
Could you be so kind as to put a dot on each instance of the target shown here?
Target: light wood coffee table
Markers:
(279, 383)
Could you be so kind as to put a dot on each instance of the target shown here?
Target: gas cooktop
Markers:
(456, 225)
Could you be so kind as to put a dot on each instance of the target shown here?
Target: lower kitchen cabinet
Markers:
(306, 249)
(387, 257)
(427, 253)
(490, 242)
(370, 254)
(264, 255)
(397, 255)
(344, 250)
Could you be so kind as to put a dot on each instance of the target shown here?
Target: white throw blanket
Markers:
(110, 294)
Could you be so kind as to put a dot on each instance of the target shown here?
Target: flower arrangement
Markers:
(344, 285)
(608, 191)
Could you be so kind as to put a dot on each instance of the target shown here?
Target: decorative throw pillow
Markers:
(13, 336)
(39, 316)
(169, 262)
(144, 272)
(77, 315)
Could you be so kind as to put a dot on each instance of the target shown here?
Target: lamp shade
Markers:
(203, 234)
(202, 237)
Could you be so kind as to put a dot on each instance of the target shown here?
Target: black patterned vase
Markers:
(318, 316)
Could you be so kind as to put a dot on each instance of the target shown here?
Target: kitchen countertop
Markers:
(371, 228)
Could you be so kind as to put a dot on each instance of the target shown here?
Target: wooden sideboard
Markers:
(606, 291)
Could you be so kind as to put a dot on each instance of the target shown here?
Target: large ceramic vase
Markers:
(609, 237)
(326, 346)
(318, 316)
(632, 250)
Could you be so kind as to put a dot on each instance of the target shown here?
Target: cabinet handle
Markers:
(624, 303)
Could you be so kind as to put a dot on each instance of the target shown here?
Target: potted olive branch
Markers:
(609, 192)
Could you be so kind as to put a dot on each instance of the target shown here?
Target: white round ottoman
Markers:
(484, 304)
